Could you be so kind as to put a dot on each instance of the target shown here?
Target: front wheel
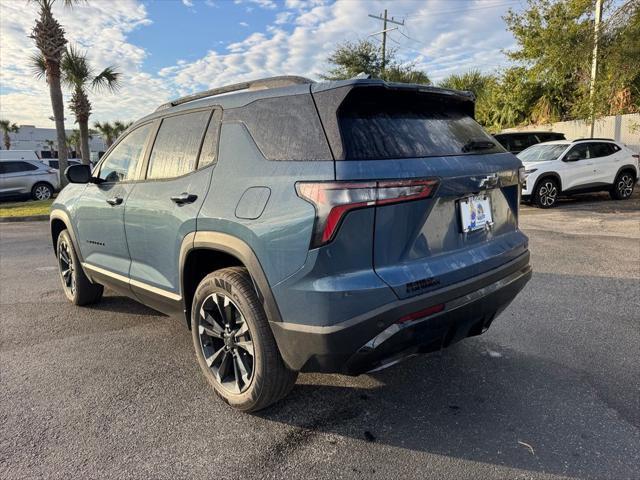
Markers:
(77, 287)
(623, 186)
(546, 193)
(234, 344)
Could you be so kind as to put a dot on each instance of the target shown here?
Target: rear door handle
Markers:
(114, 201)
(183, 198)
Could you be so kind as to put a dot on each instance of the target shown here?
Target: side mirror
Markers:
(572, 157)
(78, 173)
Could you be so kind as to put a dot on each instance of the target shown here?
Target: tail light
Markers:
(636, 156)
(427, 312)
(333, 200)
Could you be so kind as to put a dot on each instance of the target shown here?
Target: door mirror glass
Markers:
(78, 173)
(572, 157)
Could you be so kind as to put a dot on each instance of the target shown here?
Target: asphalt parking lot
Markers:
(550, 391)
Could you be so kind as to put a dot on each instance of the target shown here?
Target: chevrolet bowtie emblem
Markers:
(490, 181)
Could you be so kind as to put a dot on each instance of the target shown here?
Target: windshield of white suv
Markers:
(542, 153)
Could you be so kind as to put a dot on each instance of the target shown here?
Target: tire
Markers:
(42, 191)
(77, 287)
(546, 193)
(225, 337)
(623, 186)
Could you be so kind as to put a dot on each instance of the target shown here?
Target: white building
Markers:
(35, 138)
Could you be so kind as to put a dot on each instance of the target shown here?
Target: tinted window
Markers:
(542, 153)
(54, 164)
(121, 163)
(383, 125)
(601, 149)
(284, 128)
(17, 167)
(579, 152)
(176, 147)
(209, 151)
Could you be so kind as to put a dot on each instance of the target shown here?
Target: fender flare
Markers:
(628, 166)
(225, 243)
(544, 175)
(63, 216)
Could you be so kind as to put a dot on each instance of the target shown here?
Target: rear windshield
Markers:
(376, 123)
(542, 153)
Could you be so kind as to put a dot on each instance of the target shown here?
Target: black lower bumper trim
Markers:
(362, 344)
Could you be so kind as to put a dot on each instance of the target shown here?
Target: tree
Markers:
(74, 141)
(7, 127)
(554, 49)
(110, 132)
(78, 75)
(352, 58)
(50, 144)
(482, 86)
(50, 40)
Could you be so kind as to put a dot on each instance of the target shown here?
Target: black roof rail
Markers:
(594, 138)
(262, 83)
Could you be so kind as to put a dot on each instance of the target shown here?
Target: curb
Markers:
(29, 218)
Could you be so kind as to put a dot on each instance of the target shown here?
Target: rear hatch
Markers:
(468, 223)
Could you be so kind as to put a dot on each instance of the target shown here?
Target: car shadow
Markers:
(112, 302)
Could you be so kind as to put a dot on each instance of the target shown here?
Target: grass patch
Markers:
(25, 209)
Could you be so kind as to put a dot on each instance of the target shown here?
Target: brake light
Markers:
(333, 200)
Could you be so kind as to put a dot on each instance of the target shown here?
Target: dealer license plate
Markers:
(475, 213)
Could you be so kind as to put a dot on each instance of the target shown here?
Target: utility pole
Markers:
(384, 33)
(594, 63)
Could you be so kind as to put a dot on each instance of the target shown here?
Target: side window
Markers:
(17, 167)
(578, 152)
(54, 164)
(209, 153)
(121, 163)
(175, 149)
(601, 149)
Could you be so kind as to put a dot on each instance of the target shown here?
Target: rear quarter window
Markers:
(379, 124)
(284, 128)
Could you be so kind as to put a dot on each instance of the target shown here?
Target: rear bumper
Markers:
(374, 340)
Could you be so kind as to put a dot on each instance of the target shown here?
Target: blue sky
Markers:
(166, 48)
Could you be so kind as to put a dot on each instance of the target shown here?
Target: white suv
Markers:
(562, 168)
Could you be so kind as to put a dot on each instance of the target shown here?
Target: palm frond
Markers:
(75, 67)
(38, 65)
(108, 79)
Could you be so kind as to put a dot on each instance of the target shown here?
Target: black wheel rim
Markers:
(548, 194)
(65, 261)
(625, 186)
(226, 343)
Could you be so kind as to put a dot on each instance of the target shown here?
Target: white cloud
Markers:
(444, 38)
(267, 4)
(187, 3)
(244, 24)
(101, 29)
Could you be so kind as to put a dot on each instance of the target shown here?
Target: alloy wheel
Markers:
(625, 186)
(65, 260)
(548, 194)
(226, 343)
(42, 192)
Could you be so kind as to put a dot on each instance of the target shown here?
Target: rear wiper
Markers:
(472, 145)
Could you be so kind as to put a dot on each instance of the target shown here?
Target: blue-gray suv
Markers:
(301, 226)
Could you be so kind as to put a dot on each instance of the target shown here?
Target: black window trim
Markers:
(154, 135)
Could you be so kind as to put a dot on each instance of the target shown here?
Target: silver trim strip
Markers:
(133, 283)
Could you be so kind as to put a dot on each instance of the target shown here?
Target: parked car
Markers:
(560, 168)
(54, 162)
(18, 155)
(515, 142)
(301, 226)
(27, 177)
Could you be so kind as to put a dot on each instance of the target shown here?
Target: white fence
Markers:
(622, 128)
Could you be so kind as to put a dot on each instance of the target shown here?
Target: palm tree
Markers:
(48, 35)
(7, 127)
(49, 144)
(74, 141)
(106, 131)
(110, 132)
(78, 74)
